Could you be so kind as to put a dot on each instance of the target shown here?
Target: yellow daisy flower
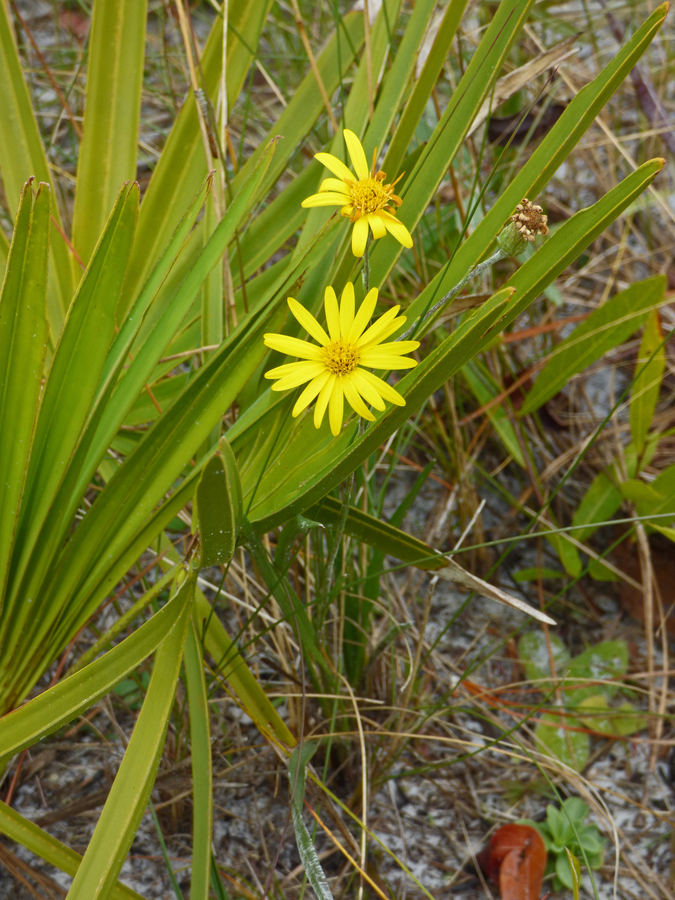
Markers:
(364, 197)
(334, 368)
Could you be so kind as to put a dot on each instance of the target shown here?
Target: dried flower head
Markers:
(529, 220)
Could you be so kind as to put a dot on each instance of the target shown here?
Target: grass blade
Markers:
(125, 806)
(111, 115)
(23, 344)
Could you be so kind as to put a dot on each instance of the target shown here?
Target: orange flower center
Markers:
(340, 357)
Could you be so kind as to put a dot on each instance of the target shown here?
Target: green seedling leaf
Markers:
(666, 532)
(664, 487)
(599, 504)
(650, 366)
(596, 713)
(575, 872)
(604, 329)
(605, 661)
(600, 572)
(640, 492)
(533, 651)
(219, 508)
(555, 734)
(23, 344)
(125, 806)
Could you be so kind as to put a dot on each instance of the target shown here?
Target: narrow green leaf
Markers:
(23, 344)
(22, 156)
(422, 183)
(651, 364)
(125, 806)
(68, 698)
(310, 860)
(38, 841)
(606, 328)
(74, 374)
(202, 772)
(422, 87)
(160, 325)
(182, 167)
(219, 509)
(306, 103)
(109, 148)
(545, 160)
(122, 516)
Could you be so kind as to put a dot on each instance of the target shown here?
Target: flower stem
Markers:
(473, 272)
(365, 274)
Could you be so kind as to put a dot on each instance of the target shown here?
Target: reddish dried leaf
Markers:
(515, 859)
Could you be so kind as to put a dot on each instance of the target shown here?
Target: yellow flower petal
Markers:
(377, 226)
(335, 408)
(355, 401)
(295, 379)
(330, 305)
(386, 391)
(377, 328)
(330, 198)
(394, 326)
(394, 348)
(334, 184)
(359, 237)
(396, 228)
(356, 154)
(346, 309)
(335, 165)
(308, 322)
(363, 316)
(310, 392)
(366, 389)
(322, 400)
(375, 360)
(292, 346)
(288, 369)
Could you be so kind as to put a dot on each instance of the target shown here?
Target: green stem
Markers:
(365, 274)
(473, 272)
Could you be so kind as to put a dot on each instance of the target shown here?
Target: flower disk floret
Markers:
(337, 369)
(365, 198)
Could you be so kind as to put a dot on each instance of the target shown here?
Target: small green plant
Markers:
(565, 830)
(588, 684)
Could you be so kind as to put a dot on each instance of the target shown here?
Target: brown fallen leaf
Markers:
(515, 859)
